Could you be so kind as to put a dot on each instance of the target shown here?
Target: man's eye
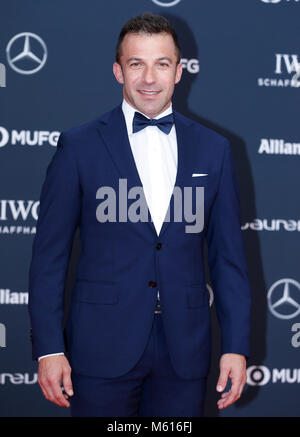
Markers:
(163, 64)
(135, 64)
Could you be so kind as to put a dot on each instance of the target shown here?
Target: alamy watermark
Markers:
(2, 75)
(138, 210)
(296, 337)
(2, 335)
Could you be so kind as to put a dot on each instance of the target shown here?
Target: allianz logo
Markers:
(18, 378)
(28, 137)
(13, 297)
(272, 225)
(278, 147)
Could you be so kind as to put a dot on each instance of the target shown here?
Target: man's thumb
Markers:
(222, 381)
(67, 383)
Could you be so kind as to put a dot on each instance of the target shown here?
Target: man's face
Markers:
(148, 71)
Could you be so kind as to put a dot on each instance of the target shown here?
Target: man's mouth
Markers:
(148, 92)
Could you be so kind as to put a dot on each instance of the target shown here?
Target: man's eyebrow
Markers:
(165, 58)
(162, 58)
(133, 59)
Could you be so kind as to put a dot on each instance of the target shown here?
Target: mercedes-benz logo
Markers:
(19, 50)
(284, 299)
(166, 3)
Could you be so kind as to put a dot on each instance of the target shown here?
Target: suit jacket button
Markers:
(152, 284)
(158, 246)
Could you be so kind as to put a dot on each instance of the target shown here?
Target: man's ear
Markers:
(178, 72)
(117, 69)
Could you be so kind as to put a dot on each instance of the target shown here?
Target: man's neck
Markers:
(168, 110)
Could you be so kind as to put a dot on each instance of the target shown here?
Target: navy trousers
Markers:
(150, 389)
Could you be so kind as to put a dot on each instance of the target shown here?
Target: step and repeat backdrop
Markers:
(241, 78)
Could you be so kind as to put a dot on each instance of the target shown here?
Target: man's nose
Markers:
(149, 75)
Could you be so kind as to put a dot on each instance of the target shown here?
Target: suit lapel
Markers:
(112, 128)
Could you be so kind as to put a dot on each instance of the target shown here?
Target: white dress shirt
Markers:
(155, 155)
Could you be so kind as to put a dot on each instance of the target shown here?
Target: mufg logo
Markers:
(191, 65)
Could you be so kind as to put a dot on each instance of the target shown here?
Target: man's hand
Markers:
(53, 370)
(234, 367)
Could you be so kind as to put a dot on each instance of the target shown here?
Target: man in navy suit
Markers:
(138, 328)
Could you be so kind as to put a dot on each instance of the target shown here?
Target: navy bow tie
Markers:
(164, 123)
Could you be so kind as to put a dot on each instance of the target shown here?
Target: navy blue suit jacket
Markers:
(113, 299)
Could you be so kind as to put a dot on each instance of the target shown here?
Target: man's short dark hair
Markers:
(147, 23)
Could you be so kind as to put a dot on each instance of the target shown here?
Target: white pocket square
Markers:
(199, 174)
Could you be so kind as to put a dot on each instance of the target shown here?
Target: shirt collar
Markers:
(129, 111)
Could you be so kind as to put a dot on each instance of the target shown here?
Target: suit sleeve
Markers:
(58, 218)
(227, 263)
